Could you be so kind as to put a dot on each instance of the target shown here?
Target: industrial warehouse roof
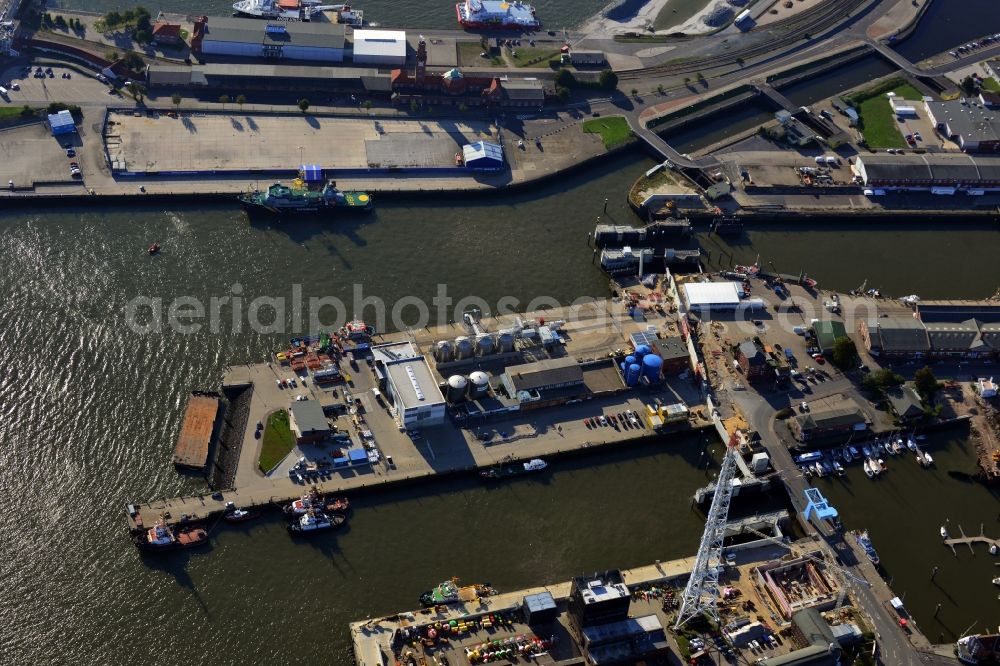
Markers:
(308, 416)
(296, 33)
(183, 75)
(984, 311)
(905, 401)
(414, 384)
(482, 153)
(548, 372)
(671, 347)
(380, 43)
(524, 89)
(827, 333)
(830, 418)
(702, 294)
(899, 333)
(970, 120)
(940, 167)
(955, 335)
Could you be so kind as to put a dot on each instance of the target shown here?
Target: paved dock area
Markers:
(444, 449)
(209, 141)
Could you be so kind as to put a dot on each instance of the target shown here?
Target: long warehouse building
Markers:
(250, 38)
(246, 76)
(937, 173)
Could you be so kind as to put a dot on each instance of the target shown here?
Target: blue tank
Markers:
(652, 366)
(641, 351)
(632, 375)
(629, 360)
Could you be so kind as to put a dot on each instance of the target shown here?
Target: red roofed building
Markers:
(166, 33)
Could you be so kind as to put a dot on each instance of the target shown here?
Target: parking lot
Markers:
(30, 155)
(78, 88)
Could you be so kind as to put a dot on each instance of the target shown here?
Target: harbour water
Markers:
(90, 411)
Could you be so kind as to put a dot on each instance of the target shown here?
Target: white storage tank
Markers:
(463, 347)
(485, 345)
(479, 384)
(458, 386)
(445, 351)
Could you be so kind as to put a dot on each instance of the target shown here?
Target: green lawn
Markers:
(278, 440)
(10, 112)
(991, 84)
(468, 56)
(878, 123)
(529, 56)
(677, 12)
(614, 130)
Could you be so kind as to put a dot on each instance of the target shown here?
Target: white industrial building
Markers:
(379, 47)
(409, 384)
(705, 296)
(251, 38)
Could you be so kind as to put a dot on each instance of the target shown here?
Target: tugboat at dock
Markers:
(162, 537)
(316, 521)
(314, 500)
(503, 471)
(236, 515)
(280, 199)
(449, 592)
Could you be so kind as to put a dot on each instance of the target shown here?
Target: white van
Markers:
(3, 91)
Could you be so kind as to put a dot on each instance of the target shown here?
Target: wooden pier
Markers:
(970, 541)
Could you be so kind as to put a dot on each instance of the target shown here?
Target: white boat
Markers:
(928, 461)
(819, 469)
(912, 299)
(869, 470)
(881, 466)
(920, 457)
(993, 549)
(944, 532)
(911, 443)
(996, 581)
(898, 446)
(838, 468)
(854, 452)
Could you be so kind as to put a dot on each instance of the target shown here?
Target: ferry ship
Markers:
(492, 14)
(280, 198)
(316, 521)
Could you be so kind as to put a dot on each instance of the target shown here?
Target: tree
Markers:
(969, 86)
(562, 94)
(607, 79)
(414, 107)
(659, 88)
(133, 61)
(565, 78)
(241, 100)
(137, 91)
(143, 36)
(113, 18)
(845, 354)
(303, 105)
(926, 384)
(176, 99)
(367, 105)
(881, 379)
(111, 55)
(223, 100)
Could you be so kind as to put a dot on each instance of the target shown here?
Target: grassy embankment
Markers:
(877, 121)
(277, 441)
(614, 130)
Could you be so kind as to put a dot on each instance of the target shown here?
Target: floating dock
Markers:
(191, 451)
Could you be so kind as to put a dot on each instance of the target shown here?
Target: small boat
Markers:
(869, 470)
(867, 451)
(162, 537)
(514, 469)
(234, 514)
(898, 446)
(449, 592)
(848, 457)
(154, 249)
(866, 544)
(854, 452)
(818, 468)
(928, 461)
(337, 505)
(809, 283)
(912, 299)
(944, 532)
(838, 468)
(920, 457)
(316, 521)
(993, 549)
(911, 443)
(996, 581)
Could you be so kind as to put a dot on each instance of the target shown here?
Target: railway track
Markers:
(817, 20)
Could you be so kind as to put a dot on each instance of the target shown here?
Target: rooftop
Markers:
(899, 333)
(380, 42)
(414, 383)
(700, 294)
(298, 33)
(930, 166)
(544, 373)
(308, 416)
(967, 118)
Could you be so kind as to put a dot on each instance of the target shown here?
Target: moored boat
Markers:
(162, 537)
(235, 514)
(944, 532)
(279, 198)
(911, 443)
(869, 470)
(494, 14)
(866, 544)
(153, 249)
(514, 469)
(316, 521)
(449, 592)
(928, 460)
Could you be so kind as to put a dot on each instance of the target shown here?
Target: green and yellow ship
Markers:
(280, 199)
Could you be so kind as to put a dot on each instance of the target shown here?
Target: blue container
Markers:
(629, 360)
(641, 351)
(632, 375)
(652, 366)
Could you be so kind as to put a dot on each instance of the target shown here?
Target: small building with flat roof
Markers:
(544, 382)
(483, 155)
(827, 333)
(971, 125)
(379, 47)
(832, 415)
(61, 123)
(412, 389)
(308, 422)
